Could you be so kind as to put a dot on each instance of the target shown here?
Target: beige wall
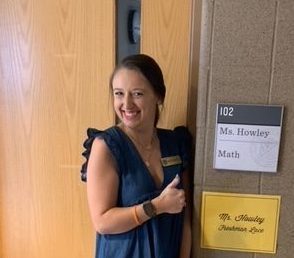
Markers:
(246, 56)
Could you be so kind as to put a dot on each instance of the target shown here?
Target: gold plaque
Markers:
(240, 222)
(171, 161)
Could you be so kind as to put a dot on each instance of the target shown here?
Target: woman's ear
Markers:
(159, 102)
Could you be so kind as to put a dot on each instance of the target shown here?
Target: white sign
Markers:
(247, 137)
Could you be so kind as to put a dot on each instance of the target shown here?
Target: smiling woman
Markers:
(136, 200)
(147, 76)
(135, 101)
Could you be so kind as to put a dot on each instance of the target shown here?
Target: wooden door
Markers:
(166, 37)
(55, 59)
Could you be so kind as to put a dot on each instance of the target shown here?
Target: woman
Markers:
(137, 178)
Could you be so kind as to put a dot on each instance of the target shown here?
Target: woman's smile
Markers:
(130, 115)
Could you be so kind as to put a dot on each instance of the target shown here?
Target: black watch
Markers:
(149, 209)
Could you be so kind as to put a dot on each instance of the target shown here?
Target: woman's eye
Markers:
(138, 94)
(118, 93)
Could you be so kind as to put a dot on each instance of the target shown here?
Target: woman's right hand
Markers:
(171, 200)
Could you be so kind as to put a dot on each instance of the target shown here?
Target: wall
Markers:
(55, 59)
(246, 56)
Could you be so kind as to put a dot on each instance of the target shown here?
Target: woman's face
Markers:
(134, 99)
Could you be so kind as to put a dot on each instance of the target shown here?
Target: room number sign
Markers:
(247, 137)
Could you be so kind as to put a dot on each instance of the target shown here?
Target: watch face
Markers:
(149, 209)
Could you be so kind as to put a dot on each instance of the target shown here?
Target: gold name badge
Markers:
(171, 161)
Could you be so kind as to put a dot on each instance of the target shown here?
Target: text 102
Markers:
(226, 111)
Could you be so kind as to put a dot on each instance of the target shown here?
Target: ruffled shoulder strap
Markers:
(111, 139)
(92, 133)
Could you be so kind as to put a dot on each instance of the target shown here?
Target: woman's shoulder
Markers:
(104, 139)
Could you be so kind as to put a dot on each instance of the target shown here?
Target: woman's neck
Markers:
(144, 138)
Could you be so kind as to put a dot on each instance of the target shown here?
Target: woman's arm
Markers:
(102, 190)
(187, 238)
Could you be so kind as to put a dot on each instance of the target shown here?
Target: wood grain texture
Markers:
(55, 60)
(166, 37)
(194, 65)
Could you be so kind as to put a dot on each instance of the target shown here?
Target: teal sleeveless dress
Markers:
(159, 237)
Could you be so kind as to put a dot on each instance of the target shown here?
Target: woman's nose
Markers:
(128, 102)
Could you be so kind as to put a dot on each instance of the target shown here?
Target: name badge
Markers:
(171, 161)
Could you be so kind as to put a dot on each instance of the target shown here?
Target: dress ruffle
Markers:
(93, 133)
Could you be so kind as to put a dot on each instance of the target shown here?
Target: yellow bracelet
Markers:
(135, 215)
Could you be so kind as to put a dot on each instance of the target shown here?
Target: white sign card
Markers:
(247, 137)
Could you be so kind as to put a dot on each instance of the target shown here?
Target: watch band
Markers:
(149, 209)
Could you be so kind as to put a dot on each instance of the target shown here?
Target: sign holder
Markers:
(247, 137)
